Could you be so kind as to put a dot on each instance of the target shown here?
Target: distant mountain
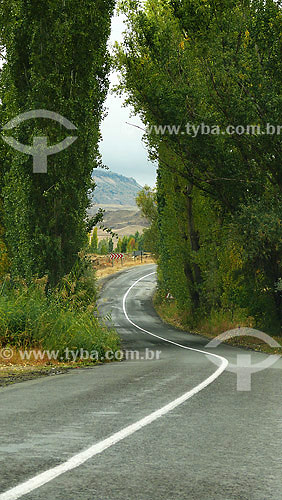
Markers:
(114, 189)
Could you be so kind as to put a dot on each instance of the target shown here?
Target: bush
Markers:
(78, 289)
(59, 319)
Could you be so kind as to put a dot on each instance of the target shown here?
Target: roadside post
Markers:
(138, 253)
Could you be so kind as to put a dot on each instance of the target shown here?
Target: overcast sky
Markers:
(122, 148)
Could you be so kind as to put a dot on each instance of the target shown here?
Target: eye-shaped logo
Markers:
(39, 150)
(244, 367)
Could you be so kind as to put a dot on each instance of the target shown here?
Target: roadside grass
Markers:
(64, 318)
(219, 322)
(105, 268)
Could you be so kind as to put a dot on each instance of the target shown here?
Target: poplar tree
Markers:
(212, 63)
(56, 60)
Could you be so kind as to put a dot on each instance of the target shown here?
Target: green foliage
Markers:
(111, 245)
(146, 200)
(140, 241)
(103, 247)
(93, 247)
(124, 244)
(78, 289)
(56, 60)
(4, 259)
(64, 318)
(119, 245)
(218, 222)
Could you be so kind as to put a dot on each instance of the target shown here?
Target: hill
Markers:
(114, 189)
(116, 194)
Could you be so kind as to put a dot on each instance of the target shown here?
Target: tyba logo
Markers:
(39, 150)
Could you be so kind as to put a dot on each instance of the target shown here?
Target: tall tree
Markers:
(56, 59)
(212, 63)
(146, 200)
(94, 241)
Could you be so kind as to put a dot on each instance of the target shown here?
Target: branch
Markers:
(136, 126)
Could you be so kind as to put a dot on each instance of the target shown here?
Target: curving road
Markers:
(147, 429)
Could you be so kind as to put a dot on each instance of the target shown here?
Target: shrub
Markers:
(59, 319)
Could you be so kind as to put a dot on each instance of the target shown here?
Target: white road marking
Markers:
(79, 459)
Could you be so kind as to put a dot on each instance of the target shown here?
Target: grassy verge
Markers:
(211, 327)
(53, 325)
(104, 268)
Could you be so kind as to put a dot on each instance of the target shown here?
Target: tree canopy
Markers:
(56, 59)
(205, 77)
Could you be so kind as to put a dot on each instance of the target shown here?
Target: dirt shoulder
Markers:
(11, 373)
(18, 373)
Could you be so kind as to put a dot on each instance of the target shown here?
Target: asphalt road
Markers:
(219, 444)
